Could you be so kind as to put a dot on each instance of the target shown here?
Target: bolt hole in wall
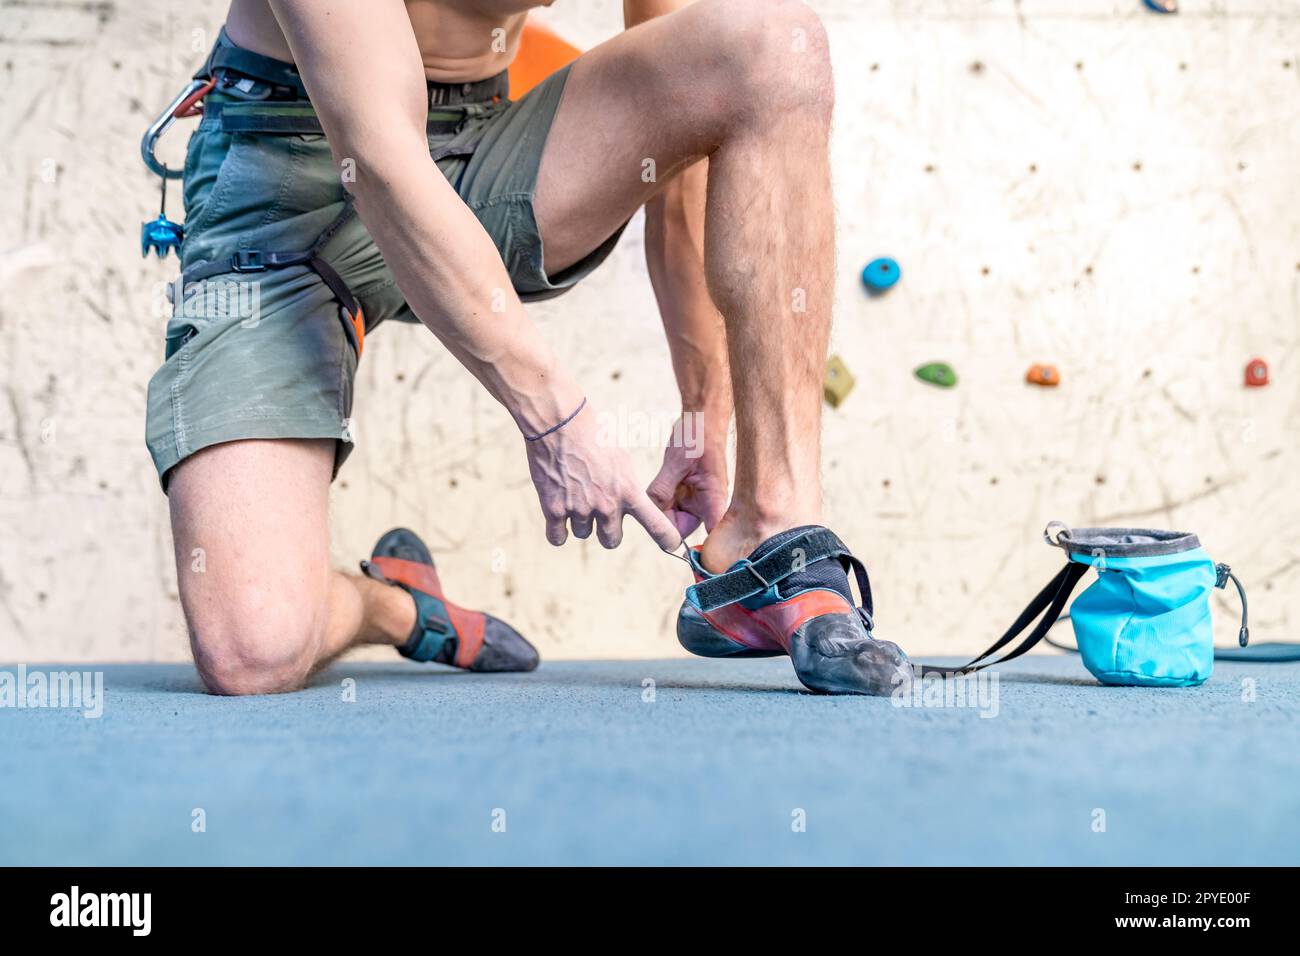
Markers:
(1077, 318)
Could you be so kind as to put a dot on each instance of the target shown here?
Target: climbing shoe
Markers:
(443, 632)
(792, 596)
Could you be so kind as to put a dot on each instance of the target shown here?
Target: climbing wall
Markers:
(1076, 182)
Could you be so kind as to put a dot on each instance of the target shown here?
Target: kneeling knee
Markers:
(259, 652)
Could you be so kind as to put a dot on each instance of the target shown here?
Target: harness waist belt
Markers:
(300, 117)
(227, 58)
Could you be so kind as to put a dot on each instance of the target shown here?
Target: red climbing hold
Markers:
(1256, 373)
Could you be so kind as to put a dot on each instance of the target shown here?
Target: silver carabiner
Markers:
(187, 97)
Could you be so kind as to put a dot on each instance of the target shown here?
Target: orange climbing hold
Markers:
(541, 53)
(1045, 375)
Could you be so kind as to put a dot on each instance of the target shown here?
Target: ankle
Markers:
(389, 613)
(781, 500)
(760, 517)
(741, 531)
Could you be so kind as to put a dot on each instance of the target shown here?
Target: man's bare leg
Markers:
(746, 83)
(264, 609)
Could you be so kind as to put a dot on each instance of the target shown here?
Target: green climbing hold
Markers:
(937, 373)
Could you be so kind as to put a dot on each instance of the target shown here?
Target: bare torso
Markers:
(459, 39)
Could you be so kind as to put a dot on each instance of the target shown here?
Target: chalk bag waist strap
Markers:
(752, 578)
(247, 261)
(1042, 612)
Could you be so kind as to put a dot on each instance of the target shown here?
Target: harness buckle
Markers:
(248, 260)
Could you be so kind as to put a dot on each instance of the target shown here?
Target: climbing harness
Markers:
(1145, 621)
(230, 69)
(265, 96)
(252, 261)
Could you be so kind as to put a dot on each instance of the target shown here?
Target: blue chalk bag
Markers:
(1145, 620)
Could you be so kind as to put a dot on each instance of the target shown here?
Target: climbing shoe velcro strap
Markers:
(755, 577)
(433, 629)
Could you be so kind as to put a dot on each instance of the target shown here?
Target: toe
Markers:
(832, 654)
(504, 649)
(884, 665)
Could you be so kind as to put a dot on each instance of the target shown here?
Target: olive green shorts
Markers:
(270, 354)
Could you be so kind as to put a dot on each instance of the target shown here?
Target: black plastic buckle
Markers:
(248, 260)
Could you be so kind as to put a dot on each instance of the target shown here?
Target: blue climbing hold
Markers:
(880, 274)
(1161, 6)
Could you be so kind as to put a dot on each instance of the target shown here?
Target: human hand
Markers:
(583, 483)
(691, 487)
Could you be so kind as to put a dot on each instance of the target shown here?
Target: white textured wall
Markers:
(1113, 191)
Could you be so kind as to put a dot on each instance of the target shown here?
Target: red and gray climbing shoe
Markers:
(792, 596)
(443, 632)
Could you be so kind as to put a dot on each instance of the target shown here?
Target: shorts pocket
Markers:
(238, 180)
(178, 333)
(206, 159)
